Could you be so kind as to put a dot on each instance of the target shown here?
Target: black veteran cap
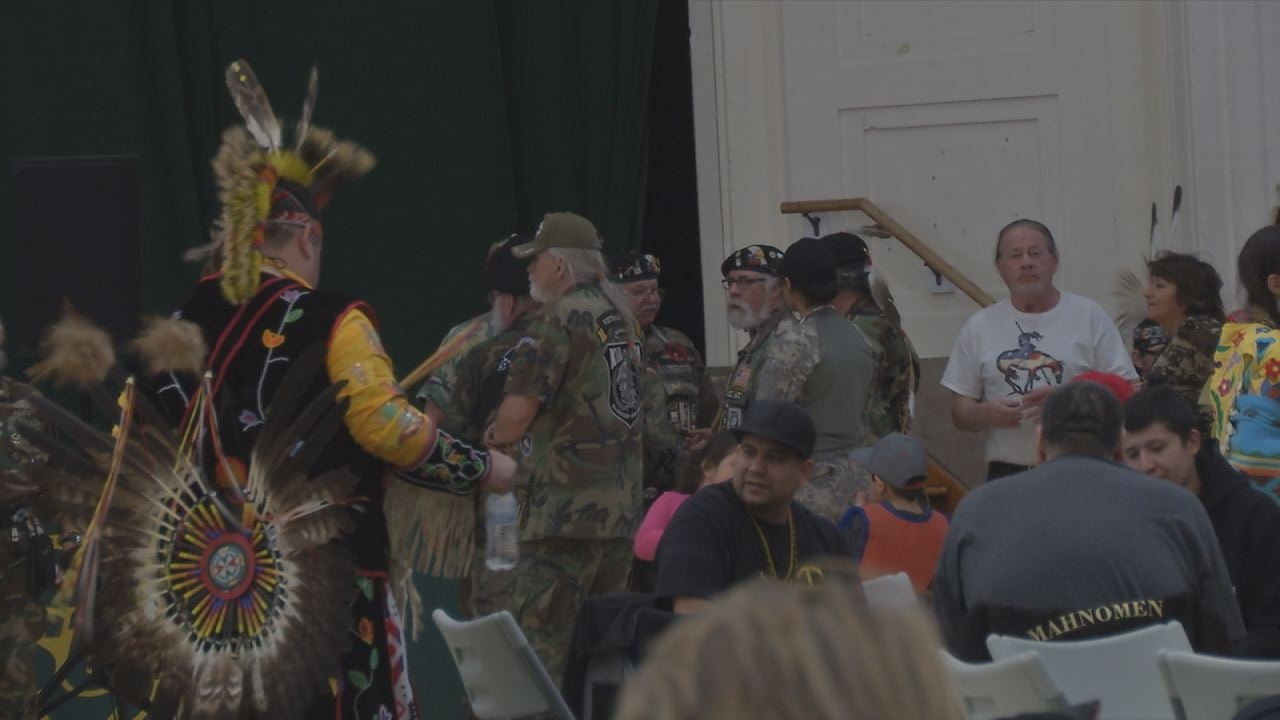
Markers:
(503, 271)
(848, 249)
(807, 258)
(782, 422)
(636, 265)
(560, 230)
(765, 259)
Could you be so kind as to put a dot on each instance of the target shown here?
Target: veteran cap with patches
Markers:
(896, 459)
(560, 230)
(636, 265)
(765, 259)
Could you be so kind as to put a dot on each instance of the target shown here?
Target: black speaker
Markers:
(76, 238)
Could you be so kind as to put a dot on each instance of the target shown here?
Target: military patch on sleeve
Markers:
(611, 326)
(624, 382)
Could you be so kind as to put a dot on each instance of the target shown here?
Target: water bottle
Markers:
(500, 549)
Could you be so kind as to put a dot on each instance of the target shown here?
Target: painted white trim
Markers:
(1234, 109)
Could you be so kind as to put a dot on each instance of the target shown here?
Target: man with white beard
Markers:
(572, 414)
(754, 304)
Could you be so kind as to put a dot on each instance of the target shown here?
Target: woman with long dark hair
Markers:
(1184, 298)
(1244, 390)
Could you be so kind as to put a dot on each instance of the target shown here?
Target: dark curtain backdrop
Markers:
(484, 114)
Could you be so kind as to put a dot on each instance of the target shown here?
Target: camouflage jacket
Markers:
(479, 381)
(682, 398)
(580, 462)
(1187, 362)
(439, 384)
(896, 371)
(822, 364)
(740, 390)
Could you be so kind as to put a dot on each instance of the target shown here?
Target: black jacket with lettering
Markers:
(1247, 523)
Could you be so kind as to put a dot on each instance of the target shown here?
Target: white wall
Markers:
(1116, 102)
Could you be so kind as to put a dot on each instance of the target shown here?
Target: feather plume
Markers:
(1173, 216)
(75, 351)
(308, 106)
(170, 345)
(882, 296)
(251, 100)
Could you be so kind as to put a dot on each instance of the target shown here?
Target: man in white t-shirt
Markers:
(1011, 355)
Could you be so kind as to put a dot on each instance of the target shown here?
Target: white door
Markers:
(957, 117)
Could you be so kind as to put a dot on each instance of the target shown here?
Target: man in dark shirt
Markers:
(1161, 440)
(750, 527)
(1080, 546)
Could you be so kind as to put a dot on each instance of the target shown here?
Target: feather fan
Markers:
(218, 609)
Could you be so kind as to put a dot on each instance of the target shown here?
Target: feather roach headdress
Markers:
(261, 181)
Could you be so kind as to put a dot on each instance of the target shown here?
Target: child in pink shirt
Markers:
(708, 466)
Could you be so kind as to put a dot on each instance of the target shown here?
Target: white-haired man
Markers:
(573, 409)
(755, 304)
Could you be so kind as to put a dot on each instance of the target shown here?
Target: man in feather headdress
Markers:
(260, 312)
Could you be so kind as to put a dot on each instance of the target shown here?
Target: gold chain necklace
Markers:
(768, 555)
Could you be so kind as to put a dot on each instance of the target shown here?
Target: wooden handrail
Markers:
(894, 228)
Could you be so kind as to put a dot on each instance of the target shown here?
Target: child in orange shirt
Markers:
(898, 531)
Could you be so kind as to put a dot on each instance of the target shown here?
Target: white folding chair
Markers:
(890, 591)
(1207, 688)
(1119, 670)
(502, 675)
(1004, 688)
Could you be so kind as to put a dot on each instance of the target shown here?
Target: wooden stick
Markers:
(926, 253)
(444, 354)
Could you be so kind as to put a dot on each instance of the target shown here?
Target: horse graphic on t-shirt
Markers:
(1021, 367)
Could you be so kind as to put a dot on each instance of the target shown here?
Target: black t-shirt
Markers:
(711, 544)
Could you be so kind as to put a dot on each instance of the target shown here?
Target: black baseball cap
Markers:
(807, 258)
(506, 273)
(783, 422)
(848, 249)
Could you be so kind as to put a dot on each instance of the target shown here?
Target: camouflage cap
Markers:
(636, 265)
(765, 259)
(560, 230)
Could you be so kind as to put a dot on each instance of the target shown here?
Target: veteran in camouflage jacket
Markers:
(682, 398)
(896, 373)
(754, 299)
(573, 412)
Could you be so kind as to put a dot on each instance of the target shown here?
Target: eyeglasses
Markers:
(744, 283)
(639, 293)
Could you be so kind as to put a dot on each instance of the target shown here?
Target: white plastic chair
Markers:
(1119, 670)
(502, 675)
(890, 591)
(1207, 688)
(1004, 688)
